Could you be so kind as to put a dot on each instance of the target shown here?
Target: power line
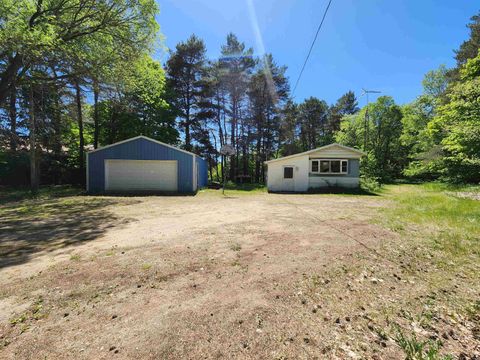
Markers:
(311, 47)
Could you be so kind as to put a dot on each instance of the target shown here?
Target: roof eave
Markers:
(142, 137)
(314, 150)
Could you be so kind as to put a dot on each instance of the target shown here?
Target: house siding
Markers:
(300, 169)
(139, 149)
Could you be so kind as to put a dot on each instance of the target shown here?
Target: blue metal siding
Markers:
(139, 149)
(202, 172)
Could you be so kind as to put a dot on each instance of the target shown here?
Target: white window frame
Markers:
(329, 172)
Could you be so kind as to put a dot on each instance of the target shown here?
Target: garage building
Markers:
(142, 164)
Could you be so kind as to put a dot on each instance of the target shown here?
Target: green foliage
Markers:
(346, 105)
(457, 127)
(313, 116)
(369, 184)
(435, 82)
(469, 48)
(386, 155)
(185, 68)
(53, 52)
(13, 167)
(415, 349)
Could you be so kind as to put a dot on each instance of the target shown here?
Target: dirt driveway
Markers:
(184, 277)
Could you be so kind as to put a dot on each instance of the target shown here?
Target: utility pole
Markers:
(367, 117)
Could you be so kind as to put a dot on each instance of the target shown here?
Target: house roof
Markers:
(141, 137)
(317, 149)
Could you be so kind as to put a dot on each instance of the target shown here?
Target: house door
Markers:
(288, 178)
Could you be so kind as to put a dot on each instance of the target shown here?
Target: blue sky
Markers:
(386, 45)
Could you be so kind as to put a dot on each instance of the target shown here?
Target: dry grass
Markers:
(257, 276)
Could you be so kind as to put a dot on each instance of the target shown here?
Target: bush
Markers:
(369, 184)
(14, 168)
(423, 170)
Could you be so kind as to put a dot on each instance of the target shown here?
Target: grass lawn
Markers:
(390, 275)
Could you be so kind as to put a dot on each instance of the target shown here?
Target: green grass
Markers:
(415, 349)
(9, 194)
(452, 223)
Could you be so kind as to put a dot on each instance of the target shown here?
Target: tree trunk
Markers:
(33, 144)
(214, 159)
(210, 167)
(9, 75)
(187, 136)
(57, 135)
(187, 122)
(232, 139)
(57, 119)
(81, 150)
(95, 115)
(13, 117)
(258, 158)
(112, 134)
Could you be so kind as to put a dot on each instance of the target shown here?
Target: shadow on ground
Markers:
(34, 226)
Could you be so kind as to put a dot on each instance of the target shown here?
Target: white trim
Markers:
(86, 176)
(194, 174)
(330, 166)
(141, 137)
(317, 149)
(105, 174)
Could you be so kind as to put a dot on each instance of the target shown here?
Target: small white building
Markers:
(332, 165)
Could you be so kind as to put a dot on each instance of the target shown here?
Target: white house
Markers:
(332, 165)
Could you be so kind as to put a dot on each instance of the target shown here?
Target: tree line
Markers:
(243, 100)
(79, 74)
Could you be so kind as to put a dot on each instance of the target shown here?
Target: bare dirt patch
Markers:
(256, 276)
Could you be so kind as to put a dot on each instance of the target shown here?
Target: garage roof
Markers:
(141, 137)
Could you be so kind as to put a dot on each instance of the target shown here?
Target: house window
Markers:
(288, 172)
(329, 166)
(335, 166)
(325, 166)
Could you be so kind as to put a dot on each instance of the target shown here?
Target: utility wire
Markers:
(311, 47)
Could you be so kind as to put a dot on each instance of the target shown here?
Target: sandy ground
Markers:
(252, 276)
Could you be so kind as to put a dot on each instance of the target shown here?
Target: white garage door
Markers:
(140, 175)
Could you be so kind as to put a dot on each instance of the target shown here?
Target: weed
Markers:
(415, 349)
(146, 266)
(236, 263)
(18, 320)
(35, 312)
(75, 257)
(235, 247)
